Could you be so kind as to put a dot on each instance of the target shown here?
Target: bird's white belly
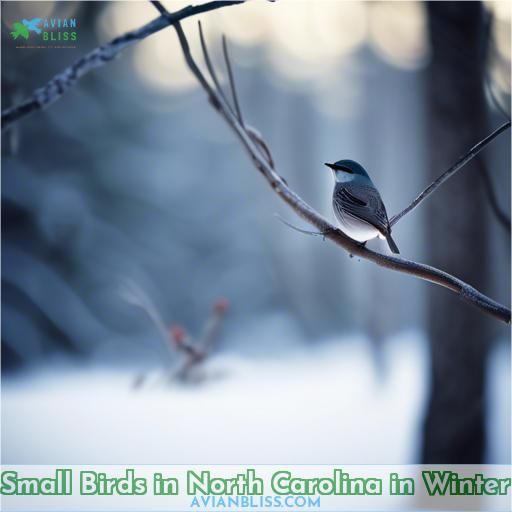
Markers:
(357, 229)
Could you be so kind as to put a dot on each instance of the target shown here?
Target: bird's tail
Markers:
(392, 244)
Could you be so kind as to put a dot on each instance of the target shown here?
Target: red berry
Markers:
(221, 305)
(178, 334)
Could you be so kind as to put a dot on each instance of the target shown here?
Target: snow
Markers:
(324, 403)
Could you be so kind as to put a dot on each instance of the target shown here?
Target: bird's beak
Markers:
(331, 166)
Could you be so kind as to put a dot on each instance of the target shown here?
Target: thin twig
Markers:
(160, 8)
(232, 81)
(132, 294)
(258, 139)
(255, 135)
(195, 68)
(300, 230)
(461, 162)
(66, 79)
(211, 69)
(420, 270)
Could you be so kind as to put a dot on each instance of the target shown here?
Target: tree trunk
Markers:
(456, 235)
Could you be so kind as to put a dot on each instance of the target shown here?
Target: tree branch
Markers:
(260, 161)
(66, 79)
(461, 162)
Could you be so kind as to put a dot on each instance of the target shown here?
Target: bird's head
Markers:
(348, 170)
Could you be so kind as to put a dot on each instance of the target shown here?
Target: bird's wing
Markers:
(31, 24)
(362, 202)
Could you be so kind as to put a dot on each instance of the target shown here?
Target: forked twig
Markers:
(211, 69)
(461, 162)
(236, 113)
(231, 80)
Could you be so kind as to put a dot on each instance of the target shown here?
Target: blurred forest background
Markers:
(132, 175)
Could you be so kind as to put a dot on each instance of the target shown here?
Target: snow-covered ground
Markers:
(321, 404)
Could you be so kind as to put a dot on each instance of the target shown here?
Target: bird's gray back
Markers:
(361, 201)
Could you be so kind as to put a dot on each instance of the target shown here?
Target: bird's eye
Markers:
(347, 169)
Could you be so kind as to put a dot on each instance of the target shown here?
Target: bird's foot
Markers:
(327, 232)
(362, 245)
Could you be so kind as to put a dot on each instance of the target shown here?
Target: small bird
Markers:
(357, 204)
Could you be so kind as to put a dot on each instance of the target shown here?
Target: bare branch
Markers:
(299, 230)
(232, 81)
(255, 135)
(256, 147)
(195, 68)
(420, 270)
(160, 8)
(66, 79)
(258, 139)
(211, 69)
(461, 162)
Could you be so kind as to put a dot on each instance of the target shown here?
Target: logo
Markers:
(45, 33)
(23, 28)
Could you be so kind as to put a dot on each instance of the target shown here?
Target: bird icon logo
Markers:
(23, 28)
